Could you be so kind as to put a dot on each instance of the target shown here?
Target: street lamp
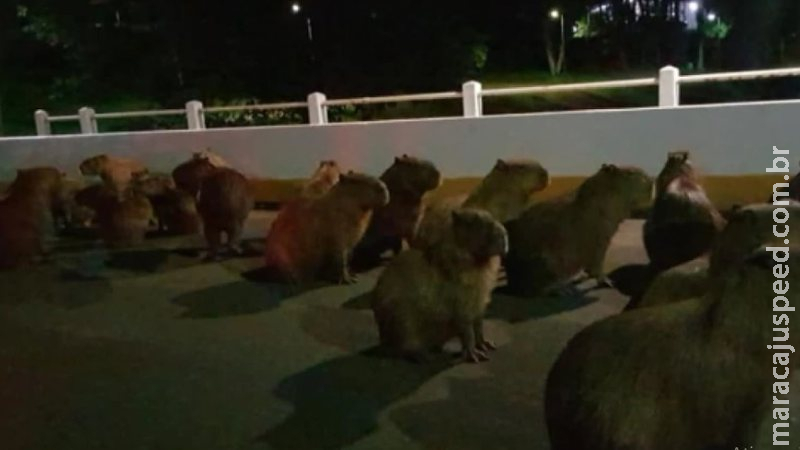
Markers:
(556, 65)
(711, 17)
(295, 8)
(555, 14)
(694, 7)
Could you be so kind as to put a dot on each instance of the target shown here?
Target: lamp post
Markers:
(296, 9)
(556, 65)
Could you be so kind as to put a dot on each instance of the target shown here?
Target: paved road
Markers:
(156, 350)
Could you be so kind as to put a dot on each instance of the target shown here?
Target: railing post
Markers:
(87, 120)
(317, 111)
(42, 120)
(669, 87)
(195, 118)
(471, 96)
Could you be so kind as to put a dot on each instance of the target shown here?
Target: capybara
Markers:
(408, 179)
(213, 158)
(189, 175)
(323, 179)
(224, 202)
(693, 374)
(26, 216)
(155, 187)
(123, 219)
(175, 209)
(424, 299)
(557, 239)
(67, 213)
(115, 172)
(748, 229)
(682, 223)
(312, 239)
(505, 193)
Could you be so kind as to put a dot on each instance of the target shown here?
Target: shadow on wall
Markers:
(338, 402)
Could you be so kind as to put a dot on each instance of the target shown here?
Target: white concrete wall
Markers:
(725, 139)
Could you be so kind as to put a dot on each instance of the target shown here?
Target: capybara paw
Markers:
(486, 346)
(347, 279)
(474, 356)
(212, 257)
(604, 282)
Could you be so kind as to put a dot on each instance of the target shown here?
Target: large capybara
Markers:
(748, 229)
(408, 179)
(26, 216)
(224, 202)
(505, 193)
(683, 222)
(694, 374)
(424, 299)
(557, 239)
(115, 172)
(323, 179)
(189, 175)
(312, 239)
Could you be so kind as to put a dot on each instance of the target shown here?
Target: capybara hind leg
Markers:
(469, 352)
(338, 270)
(214, 240)
(481, 343)
(235, 238)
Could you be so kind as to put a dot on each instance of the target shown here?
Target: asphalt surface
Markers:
(155, 349)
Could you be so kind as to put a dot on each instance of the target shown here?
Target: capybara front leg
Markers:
(469, 352)
(235, 238)
(214, 240)
(481, 343)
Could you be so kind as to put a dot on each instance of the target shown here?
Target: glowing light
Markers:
(711, 17)
(694, 6)
(555, 14)
(295, 8)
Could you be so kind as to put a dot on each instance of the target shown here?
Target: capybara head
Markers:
(479, 233)
(526, 176)
(412, 175)
(153, 185)
(39, 181)
(328, 170)
(750, 228)
(94, 165)
(211, 157)
(630, 185)
(189, 175)
(677, 165)
(369, 192)
(95, 197)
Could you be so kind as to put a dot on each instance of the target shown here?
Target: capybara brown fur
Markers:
(224, 202)
(408, 179)
(682, 223)
(692, 374)
(209, 155)
(312, 239)
(26, 216)
(115, 172)
(189, 175)
(123, 219)
(423, 299)
(323, 179)
(557, 239)
(175, 210)
(67, 213)
(748, 229)
(505, 193)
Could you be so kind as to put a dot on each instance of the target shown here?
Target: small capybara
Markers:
(324, 178)
(748, 229)
(408, 179)
(123, 219)
(175, 210)
(424, 299)
(189, 175)
(224, 202)
(682, 223)
(67, 213)
(505, 193)
(693, 374)
(312, 239)
(26, 216)
(556, 239)
(115, 172)
(213, 158)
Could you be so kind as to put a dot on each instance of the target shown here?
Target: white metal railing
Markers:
(668, 81)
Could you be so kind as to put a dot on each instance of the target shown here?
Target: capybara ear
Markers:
(397, 159)
(405, 156)
(763, 259)
(501, 164)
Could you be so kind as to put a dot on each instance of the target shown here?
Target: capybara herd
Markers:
(680, 367)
